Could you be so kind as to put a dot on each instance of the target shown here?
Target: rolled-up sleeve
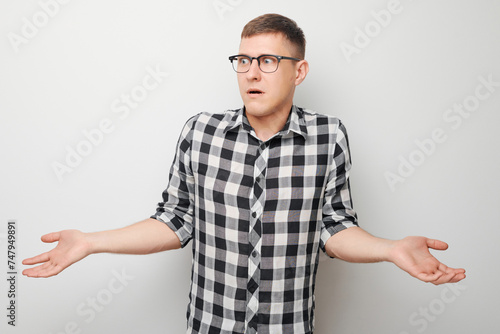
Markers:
(176, 209)
(338, 212)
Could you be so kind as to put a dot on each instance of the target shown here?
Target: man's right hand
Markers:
(72, 246)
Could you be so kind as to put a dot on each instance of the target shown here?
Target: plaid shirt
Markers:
(258, 213)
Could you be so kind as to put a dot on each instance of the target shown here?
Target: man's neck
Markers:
(267, 126)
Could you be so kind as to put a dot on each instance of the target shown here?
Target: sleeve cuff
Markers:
(177, 225)
(329, 231)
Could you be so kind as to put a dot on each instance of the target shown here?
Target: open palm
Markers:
(413, 256)
(71, 247)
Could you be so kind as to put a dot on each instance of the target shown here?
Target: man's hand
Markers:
(72, 246)
(412, 255)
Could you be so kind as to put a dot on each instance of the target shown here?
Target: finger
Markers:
(34, 272)
(445, 278)
(458, 272)
(447, 274)
(51, 237)
(45, 270)
(450, 275)
(429, 278)
(437, 244)
(458, 277)
(36, 259)
(447, 269)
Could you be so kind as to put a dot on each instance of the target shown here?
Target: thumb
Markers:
(51, 237)
(437, 244)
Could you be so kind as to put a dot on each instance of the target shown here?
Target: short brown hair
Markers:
(275, 23)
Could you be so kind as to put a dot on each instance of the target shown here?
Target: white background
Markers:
(63, 78)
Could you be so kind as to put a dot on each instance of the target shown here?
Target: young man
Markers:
(259, 191)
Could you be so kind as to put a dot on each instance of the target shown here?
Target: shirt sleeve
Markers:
(176, 209)
(338, 212)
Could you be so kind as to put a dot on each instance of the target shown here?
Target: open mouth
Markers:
(254, 92)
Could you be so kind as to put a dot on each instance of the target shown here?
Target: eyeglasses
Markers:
(267, 63)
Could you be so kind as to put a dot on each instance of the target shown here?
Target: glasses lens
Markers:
(241, 64)
(268, 64)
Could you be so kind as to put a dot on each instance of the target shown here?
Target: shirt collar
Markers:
(295, 122)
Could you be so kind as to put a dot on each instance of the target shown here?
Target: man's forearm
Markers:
(145, 237)
(356, 245)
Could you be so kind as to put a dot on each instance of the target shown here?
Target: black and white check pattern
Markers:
(258, 213)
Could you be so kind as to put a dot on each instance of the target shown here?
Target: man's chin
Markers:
(256, 110)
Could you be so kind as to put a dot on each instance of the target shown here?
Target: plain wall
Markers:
(417, 84)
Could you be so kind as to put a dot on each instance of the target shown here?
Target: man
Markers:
(259, 191)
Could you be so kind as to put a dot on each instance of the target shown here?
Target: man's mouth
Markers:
(254, 92)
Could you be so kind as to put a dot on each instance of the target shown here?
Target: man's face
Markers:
(265, 94)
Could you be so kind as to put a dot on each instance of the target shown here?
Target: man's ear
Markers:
(301, 71)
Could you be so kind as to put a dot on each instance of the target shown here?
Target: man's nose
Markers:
(254, 71)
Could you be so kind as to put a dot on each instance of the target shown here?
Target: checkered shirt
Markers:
(258, 213)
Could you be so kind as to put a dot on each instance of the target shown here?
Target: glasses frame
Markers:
(232, 58)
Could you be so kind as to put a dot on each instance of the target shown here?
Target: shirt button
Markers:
(254, 214)
(254, 253)
(252, 287)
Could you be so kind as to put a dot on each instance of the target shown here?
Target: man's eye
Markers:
(243, 61)
(269, 60)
